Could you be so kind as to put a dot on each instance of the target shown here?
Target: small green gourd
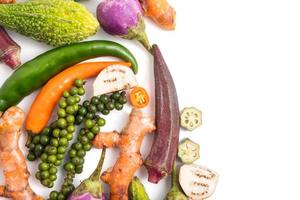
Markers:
(55, 22)
(175, 192)
(137, 190)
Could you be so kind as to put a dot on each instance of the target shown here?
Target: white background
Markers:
(238, 62)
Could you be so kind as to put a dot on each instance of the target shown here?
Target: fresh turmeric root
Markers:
(130, 160)
(160, 12)
(11, 158)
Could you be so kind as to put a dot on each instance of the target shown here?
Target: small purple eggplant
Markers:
(91, 188)
(123, 18)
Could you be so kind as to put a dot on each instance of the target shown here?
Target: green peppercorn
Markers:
(44, 174)
(52, 177)
(75, 160)
(53, 170)
(31, 157)
(88, 123)
(71, 128)
(53, 195)
(77, 99)
(116, 95)
(52, 150)
(81, 91)
(43, 166)
(92, 108)
(38, 150)
(61, 112)
(63, 133)
(54, 142)
(109, 106)
(61, 196)
(59, 156)
(61, 149)
(56, 132)
(82, 132)
(101, 122)
(44, 139)
(77, 146)
(95, 101)
(63, 142)
(36, 139)
(82, 111)
(79, 169)
(66, 94)
(72, 153)
(87, 147)
(69, 136)
(74, 91)
(79, 119)
(46, 131)
(76, 107)
(105, 112)
(69, 167)
(90, 135)
(95, 129)
(78, 83)
(53, 125)
(70, 110)
(100, 107)
(57, 163)
(62, 123)
(86, 104)
(62, 103)
(38, 175)
(84, 140)
(89, 115)
(122, 100)
(44, 157)
(52, 158)
(104, 98)
(81, 153)
(118, 106)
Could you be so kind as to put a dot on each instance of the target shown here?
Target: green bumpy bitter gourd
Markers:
(55, 22)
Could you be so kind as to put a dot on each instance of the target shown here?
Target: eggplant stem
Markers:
(95, 176)
(175, 177)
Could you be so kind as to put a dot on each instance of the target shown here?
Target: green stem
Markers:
(97, 173)
(175, 177)
(143, 39)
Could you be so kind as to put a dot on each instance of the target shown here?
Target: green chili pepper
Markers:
(33, 74)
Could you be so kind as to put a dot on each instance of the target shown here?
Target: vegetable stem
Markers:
(97, 173)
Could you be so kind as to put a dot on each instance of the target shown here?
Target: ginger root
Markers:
(12, 159)
(130, 160)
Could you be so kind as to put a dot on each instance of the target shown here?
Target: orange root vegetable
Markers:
(43, 105)
(7, 1)
(11, 158)
(130, 160)
(160, 12)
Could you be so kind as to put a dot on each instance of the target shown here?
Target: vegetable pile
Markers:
(65, 137)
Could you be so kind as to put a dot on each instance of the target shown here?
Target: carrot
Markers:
(11, 158)
(130, 159)
(43, 105)
(160, 12)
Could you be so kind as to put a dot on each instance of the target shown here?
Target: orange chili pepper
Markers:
(139, 97)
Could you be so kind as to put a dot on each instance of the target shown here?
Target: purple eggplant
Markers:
(123, 18)
(91, 188)
(159, 162)
(9, 50)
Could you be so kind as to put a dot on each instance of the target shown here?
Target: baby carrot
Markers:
(43, 105)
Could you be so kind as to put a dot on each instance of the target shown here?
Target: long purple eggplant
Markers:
(159, 162)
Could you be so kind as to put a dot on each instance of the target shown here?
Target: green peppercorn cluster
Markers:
(52, 144)
(92, 122)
